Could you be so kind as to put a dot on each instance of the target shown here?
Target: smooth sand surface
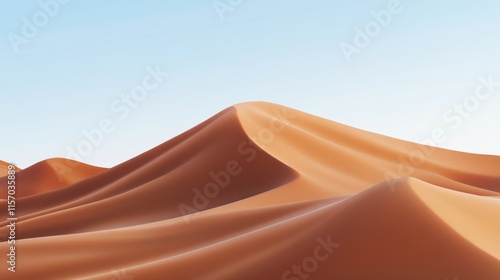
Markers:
(261, 191)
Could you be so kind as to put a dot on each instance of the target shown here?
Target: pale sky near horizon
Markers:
(65, 67)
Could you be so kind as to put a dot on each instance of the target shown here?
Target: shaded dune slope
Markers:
(160, 184)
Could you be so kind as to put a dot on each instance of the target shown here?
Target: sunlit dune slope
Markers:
(351, 160)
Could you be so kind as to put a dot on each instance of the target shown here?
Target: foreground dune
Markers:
(261, 191)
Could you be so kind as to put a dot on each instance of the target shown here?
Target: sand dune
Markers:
(49, 175)
(261, 191)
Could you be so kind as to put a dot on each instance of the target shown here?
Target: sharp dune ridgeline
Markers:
(261, 191)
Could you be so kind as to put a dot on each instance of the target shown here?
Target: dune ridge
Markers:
(262, 191)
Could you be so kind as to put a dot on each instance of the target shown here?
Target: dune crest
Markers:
(262, 191)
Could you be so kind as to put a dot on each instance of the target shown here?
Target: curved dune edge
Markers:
(301, 179)
(353, 160)
(475, 218)
(162, 177)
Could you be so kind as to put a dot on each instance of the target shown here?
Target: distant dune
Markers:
(262, 191)
(49, 175)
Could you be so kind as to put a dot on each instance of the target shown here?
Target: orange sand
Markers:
(255, 193)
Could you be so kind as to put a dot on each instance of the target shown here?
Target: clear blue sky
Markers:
(69, 72)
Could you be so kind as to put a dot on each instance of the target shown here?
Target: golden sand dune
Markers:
(261, 191)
